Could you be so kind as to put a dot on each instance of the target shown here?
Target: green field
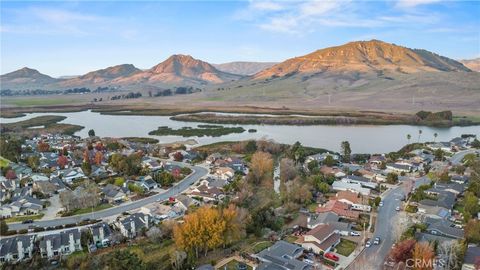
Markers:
(89, 209)
(346, 247)
(23, 218)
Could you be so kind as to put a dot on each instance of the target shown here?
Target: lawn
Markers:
(23, 218)
(261, 246)
(232, 265)
(346, 247)
(4, 162)
(89, 209)
(291, 239)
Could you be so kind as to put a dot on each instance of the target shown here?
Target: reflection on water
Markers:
(363, 138)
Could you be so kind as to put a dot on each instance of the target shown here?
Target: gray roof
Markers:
(323, 218)
(60, 239)
(137, 218)
(101, 226)
(472, 255)
(446, 228)
(444, 199)
(111, 190)
(282, 249)
(10, 245)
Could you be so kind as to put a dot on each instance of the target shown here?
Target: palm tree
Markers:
(408, 138)
(435, 136)
(419, 134)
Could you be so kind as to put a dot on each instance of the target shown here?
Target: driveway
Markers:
(198, 172)
(52, 210)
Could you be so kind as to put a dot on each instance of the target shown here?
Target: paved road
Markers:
(374, 256)
(458, 157)
(198, 172)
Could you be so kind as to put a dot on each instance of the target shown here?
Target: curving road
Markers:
(458, 157)
(374, 256)
(198, 172)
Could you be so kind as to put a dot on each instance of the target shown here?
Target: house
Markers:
(320, 158)
(69, 175)
(132, 226)
(99, 172)
(444, 228)
(184, 202)
(148, 184)
(224, 173)
(208, 193)
(160, 211)
(340, 208)
(330, 218)
(346, 185)
(320, 239)
(101, 234)
(58, 244)
(471, 260)
(354, 199)
(36, 177)
(335, 171)
(282, 255)
(399, 167)
(25, 205)
(362, 181)
(212, 158)
(114, 194)
(18, 248)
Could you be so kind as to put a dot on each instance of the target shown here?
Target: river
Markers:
(362, 138)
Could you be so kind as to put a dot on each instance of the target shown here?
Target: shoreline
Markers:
(283, 116)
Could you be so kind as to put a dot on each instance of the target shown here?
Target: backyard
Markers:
(346, 247)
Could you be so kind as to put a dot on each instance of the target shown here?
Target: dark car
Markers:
(27, 221)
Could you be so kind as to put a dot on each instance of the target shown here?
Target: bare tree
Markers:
(154, 233)
(449, 251)
(288, 171)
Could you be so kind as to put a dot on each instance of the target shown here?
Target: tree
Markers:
(288, 171)
(251, 147)
(476, 144)
(33, 162)
(471, 203)
(323, 187)
(10, 175)
(86, 168)
(178, 156)
(123, 259)
(154, 234)
(408, 138)
(3, 227)
(261, 169)
(43, 146)
(472, 231)
(98, 157)
(91, 133)
(439, 154)
(419, 134)
(329, 161)
(62, 161)
(423, 256)
(346, 151)
(403, 250)
(392, 178)
(435, 135)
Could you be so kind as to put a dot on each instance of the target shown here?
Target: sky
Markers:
(74, 37)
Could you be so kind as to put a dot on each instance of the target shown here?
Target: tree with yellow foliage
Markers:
(423, 256)
(261, 169)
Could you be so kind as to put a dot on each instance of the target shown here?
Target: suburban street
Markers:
(458, 157)
(198, 172)
(387, 218)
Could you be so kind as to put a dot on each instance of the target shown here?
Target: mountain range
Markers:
(357, 60)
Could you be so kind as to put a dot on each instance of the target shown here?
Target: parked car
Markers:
(380, 204)
(397, 208)
(27, 221)
(368, 244)
(331, 256)
(377, 241)
(309, 261)
(354, 234)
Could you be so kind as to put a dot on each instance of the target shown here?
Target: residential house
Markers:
(224, 173)
(399, 167)
(320, 239)
(340, 208)
(320, 158)
(114, 194)
(471, 260)
(335, 171)
(354, 199)
(444, 228)
(15, 249)
(101, 234)
(99, 172)
(69, 175)
(208, 193)
(282, 255)
(346, 185)
(184, 202)
(362, 181)
(132, 225)
(62, 243)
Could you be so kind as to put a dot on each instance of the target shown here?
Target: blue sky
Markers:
(71, 38)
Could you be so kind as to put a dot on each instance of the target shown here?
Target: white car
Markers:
(377, 241)
(354, 234)
(380, 204)
(368, 244)
(397, 208)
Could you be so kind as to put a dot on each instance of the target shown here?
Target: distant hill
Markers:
(363, 57)
(101, 76)
(180, 70)
(25, 78)
(473, 64)
(244, 68)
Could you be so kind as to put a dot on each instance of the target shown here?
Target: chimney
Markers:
(132, 225)
(20, 249)
(146, 221)
(101, 233)
(49, 248)
(71, 242)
